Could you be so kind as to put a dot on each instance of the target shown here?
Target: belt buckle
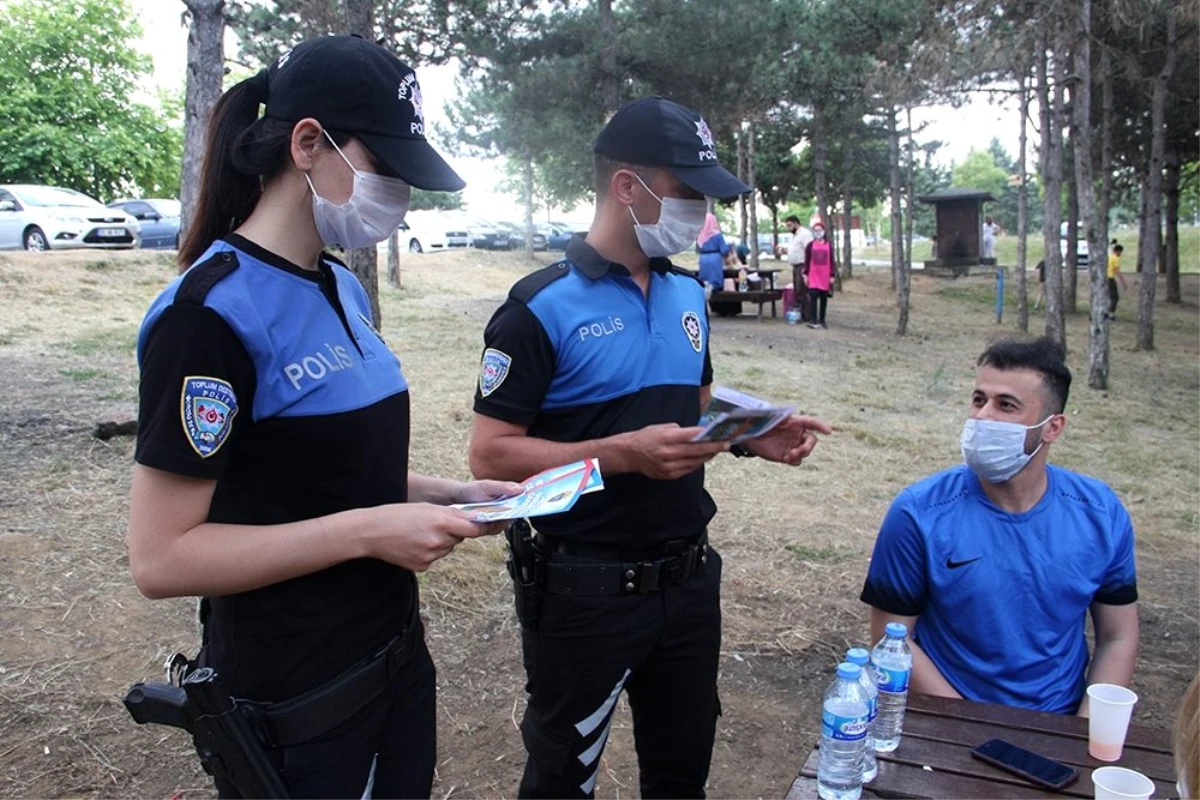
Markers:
(648, 572)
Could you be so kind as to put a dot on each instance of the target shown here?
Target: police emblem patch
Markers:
(704, 134)
(493, 370)
(695, 333)
(207, 409)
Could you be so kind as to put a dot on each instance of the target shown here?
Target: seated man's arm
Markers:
(926, 678)
(1115, 615)
(897, 587)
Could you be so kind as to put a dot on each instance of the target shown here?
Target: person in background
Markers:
(795, 249)
(1187, 742)
(1114, 275)
(714, 253)
(990, 229)
(819, 271)
(996, 564)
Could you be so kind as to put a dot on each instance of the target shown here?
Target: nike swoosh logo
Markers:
(956, 564)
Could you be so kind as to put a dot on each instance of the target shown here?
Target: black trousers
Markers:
(390, 746)
(1113, 295)
(661, 648)
(819, 299)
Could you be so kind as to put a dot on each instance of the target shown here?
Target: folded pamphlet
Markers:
(550, 492)
(733, 416)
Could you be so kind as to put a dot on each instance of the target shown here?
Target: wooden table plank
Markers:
(1141, 736)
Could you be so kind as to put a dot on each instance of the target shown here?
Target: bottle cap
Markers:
(897, 630)
(857, 655)
(849, 671)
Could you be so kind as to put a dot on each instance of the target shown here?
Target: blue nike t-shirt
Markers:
(1002, 598)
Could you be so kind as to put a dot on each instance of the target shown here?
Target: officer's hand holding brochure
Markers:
(551, 492)
(734, 417)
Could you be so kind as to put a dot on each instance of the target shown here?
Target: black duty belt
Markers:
(614, 570)
(320, 710)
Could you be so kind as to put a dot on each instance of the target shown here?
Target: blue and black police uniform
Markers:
(271, 380)
(629, 587)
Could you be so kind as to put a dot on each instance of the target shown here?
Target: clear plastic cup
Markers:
(1109, 709)
(1118, 783)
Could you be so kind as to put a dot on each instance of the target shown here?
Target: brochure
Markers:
(550, 492)
(733, 416)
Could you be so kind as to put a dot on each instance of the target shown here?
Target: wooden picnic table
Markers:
(765, 293)
(934, 757)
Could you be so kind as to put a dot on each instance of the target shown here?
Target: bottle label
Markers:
(846, 729)
(893, 681)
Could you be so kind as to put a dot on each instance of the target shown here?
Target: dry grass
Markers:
(795, 541)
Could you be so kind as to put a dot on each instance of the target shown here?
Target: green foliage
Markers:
(425, 200)
(979, 171)
(68, 70)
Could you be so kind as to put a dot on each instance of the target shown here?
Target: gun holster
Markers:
(524, 565)
(228, 742)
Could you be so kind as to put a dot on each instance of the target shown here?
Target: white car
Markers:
(1081, 247)
(39, 218)
(431, 231)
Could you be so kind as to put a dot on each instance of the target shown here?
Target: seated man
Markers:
(995, 564)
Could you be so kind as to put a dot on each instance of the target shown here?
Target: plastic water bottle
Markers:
(844, 721)
(859, 656)
(893, 665)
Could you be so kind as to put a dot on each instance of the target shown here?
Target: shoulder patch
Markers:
(525, 289)
(207, 408)
(493, 370)
(202, 277)
(695, 332)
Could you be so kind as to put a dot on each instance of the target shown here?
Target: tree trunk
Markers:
(1081, 137)
(820, 149)
(753, 200)
(1106, 140)
(775, 232)
(610, 86)
(1050, 103)
(393, 259)
(1023, 211)
(908, 198)
(1071, 261)
(205, 72)
(899, 267)
(527, 191)
(1142, 210)
(741, 172)
(1153, 240)
(1171, 207)
(364, 262)
(845, 270)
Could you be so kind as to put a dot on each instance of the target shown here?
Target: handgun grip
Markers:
(158, 703)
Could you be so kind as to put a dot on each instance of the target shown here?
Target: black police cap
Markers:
(656, 132)
(354, 86)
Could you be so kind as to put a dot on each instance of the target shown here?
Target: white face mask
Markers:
(679, 223)
(995, 451)
(818, 234)
(376, 207)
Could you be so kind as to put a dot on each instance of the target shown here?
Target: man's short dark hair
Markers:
(1040, 355)
(607, 167)
(792, 218)
(1118, 249)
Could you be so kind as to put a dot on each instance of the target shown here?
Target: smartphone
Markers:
(1031, 766)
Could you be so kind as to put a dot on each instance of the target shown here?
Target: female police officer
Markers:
(272, 458)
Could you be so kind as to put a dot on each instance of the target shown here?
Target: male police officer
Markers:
(606, 354)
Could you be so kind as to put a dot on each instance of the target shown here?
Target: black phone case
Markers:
(1074, 776)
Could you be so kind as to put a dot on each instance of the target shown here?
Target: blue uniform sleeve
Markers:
(1119, 586)
(897, 581)
(518, 364)
(723, 246)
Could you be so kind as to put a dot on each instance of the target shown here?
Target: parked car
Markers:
(158, 220)
(49, 217)
(765, 241)
(487, 235)
(431, 231)
(516, 235)
(1081, 246)
(557, 236)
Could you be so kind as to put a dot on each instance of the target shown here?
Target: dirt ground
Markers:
(796, 542)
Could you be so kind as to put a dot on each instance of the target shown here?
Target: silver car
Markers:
(52, 218)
